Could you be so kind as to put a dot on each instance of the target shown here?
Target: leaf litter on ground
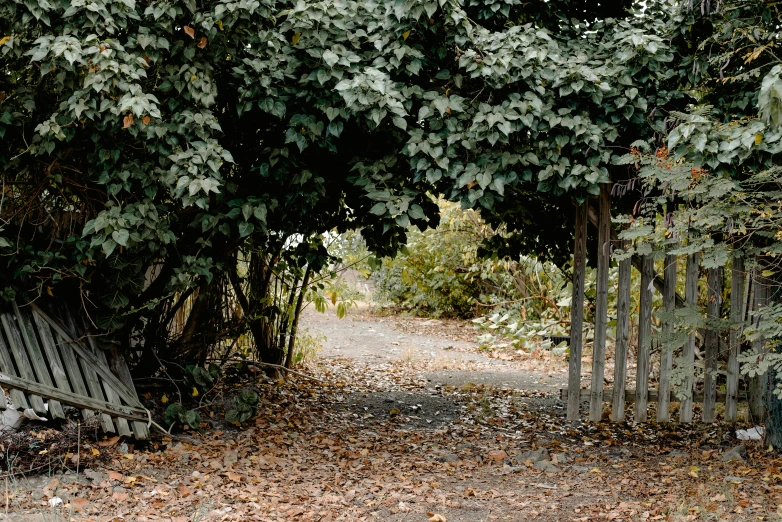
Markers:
(360, 448)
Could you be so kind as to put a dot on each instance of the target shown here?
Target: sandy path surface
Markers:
(438, 356)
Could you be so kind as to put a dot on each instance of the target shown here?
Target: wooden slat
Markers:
(601, 303)
(688, 353)
(622, 339)
(77, 400)
(7, 367)
(55, 361)
(36, 357)
(88, 370)
(123, 429)
(758, 384)
(577, 312)
(711, 346)
(652, 395)
(666, 353)
(644, 338)
(73, 371)
(127, 395)
(20, 356)
(120, 368)
(736, 320)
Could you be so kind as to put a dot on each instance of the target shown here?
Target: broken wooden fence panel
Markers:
(41, 359)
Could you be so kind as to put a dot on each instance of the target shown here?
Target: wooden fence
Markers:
(748, 291)
(40, 358)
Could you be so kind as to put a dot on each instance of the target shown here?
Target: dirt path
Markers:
(439, 358)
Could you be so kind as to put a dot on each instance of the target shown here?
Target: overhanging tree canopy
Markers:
(169, 134)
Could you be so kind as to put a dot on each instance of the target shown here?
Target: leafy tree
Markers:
(151, 147)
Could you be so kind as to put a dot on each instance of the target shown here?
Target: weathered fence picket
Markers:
(666, 355)
(736, 318)
(644, 339)
(601, 303)
(577, 311)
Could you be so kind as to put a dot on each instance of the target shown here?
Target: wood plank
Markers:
(80, 401)
(123, 428)
(120, 368)
(622, 339)
(20, 356)
(601, 303)
(577, 312)
(652, 395)
(73, 371)
(36, 357)
(666, 352)
(88, 370)
(7, 367)
(127, 395)
(644, 338)
(55, 360)
(758, 384)
(711, 345)
(688, 353)
(736, 329)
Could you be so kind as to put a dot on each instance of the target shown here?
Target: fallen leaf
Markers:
(78, 503)
(497, 455)
(435, 517)
(234, 477)
(108, 442)
(113, 475)
(184, 490)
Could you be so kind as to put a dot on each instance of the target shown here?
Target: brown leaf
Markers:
(497, 455)
(109, 442)
(127, 121)
(202, 42)
(184, 490)
(434, 517)
(79, 503)
(234, 477)
(146, 120)
(189, 31)
(113, 475)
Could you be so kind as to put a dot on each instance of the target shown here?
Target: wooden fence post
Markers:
(759, 383)
(688, 354)
(577, 315)
(622, 338)
(736, 319)
(644, 339)
(711, 345)
(666, 354)
(601, 303)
